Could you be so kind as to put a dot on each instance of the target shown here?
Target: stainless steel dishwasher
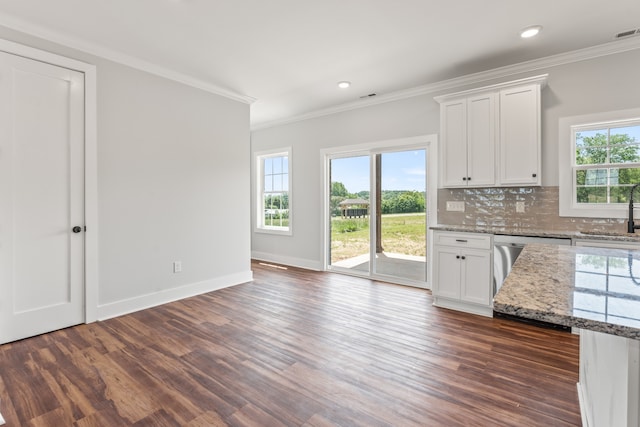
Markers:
(507, 248)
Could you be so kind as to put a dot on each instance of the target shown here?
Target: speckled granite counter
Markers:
(510, 231)
(519, 231)
(589, 288)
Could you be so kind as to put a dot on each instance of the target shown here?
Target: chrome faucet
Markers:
(631, 227)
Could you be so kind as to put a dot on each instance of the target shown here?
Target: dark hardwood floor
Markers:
(294, 348)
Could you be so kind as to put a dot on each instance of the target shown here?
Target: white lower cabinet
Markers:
(609, 387)
(463, 272)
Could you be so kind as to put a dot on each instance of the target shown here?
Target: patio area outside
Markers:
(403, 242)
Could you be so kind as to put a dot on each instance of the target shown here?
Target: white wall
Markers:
(173, 184)
(601, 84)
(173, 178)
(406, 118)
(607, 83)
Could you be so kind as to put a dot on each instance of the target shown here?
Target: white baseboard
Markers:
(286, 260)
(466, 307)
(118, 308)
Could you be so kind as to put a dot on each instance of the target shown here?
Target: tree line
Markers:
(606, 184)
(393, 201)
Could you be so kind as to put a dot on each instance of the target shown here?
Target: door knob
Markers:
(76, 229)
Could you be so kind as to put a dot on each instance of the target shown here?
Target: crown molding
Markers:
(17, 24)
(593, 52)
(605, 49)
(540, 80)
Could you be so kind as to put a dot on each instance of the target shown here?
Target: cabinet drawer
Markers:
(463, 240)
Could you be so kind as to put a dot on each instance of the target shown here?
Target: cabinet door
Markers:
(520, 136)
(447, 266)
(481, 137)
(476, 277)
(454, 143)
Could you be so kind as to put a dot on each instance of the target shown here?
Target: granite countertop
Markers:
(589, 288)
(531, 232)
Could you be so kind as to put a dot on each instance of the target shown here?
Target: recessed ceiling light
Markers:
(344, 84)
(529, 32)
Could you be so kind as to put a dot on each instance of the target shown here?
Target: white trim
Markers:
(567, 207)
(582, 401)
(609, 48)
(366, 147)
(467, 307)
(43, 56)
(92, 278)
(119, 57)
(428, 142)
(307, 264)
(130, 305)
(284, 231)
(593, 52)
(258, 226)
(91, 284)
(535, 80)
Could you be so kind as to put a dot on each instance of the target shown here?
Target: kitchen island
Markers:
(596, 290)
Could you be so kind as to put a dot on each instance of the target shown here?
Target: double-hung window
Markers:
(604, 163)
(274, 213)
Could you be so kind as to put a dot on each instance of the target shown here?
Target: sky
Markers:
(633, 131)
(401, 170)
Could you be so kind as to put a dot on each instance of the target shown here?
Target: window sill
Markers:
(275, 231)
(595, 211)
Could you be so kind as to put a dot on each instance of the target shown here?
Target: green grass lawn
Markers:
(401, 233)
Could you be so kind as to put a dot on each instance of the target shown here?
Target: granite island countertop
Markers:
(589, 288)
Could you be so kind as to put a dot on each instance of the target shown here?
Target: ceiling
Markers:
(289, 55)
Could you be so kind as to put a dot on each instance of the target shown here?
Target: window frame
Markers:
(259, 225)
(568, 127)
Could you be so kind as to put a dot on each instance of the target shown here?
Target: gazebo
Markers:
(354, 208)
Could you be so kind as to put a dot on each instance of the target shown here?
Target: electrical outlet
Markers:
(455, 206)
(520, 207)
(177, 266)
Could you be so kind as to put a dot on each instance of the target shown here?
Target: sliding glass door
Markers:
(350, 213)
(401, 233)
(377, 219)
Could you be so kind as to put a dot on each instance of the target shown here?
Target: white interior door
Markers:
(41, 197)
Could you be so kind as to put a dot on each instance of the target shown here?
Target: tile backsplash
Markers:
(496, 207)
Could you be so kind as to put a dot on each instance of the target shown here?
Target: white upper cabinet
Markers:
(454, 159)
(491, 136)
(520, 136)
(481, 140)
(468, 126)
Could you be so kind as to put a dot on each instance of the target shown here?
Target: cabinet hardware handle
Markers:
(463, 257)
(457, 256)
(534, 175)
(468, 178)
(461, 240)
(464, 178)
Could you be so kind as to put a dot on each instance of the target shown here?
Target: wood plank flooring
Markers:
(294, 348)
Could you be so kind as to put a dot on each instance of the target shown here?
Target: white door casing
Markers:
(421, 142)
(41, 197)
